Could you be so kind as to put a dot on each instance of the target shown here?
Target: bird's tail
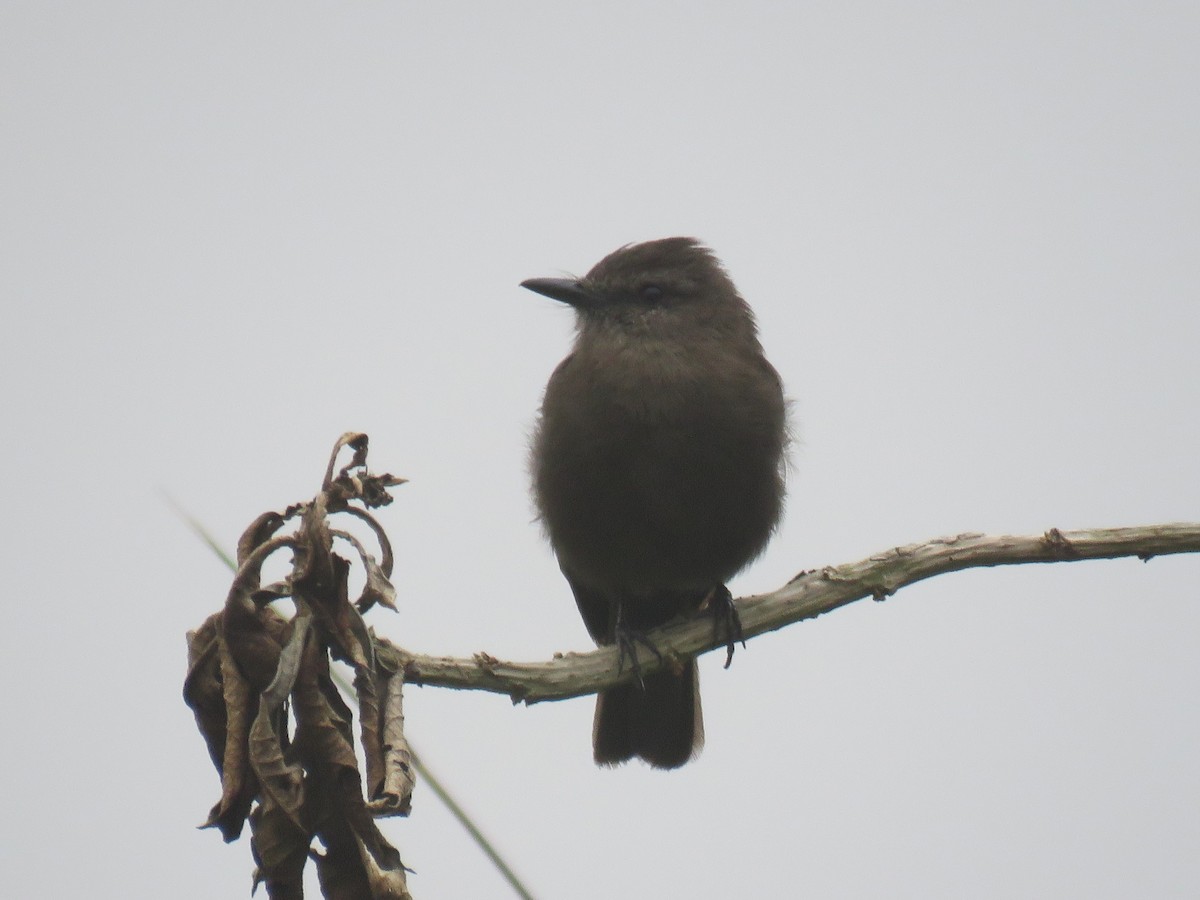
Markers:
(661, 723)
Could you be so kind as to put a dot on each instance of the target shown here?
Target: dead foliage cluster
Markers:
(276, 726)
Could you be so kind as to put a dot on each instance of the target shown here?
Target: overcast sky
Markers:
(971, 233)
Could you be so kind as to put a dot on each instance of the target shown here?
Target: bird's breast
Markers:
(659, 468)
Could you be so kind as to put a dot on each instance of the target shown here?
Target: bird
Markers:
(657, 465)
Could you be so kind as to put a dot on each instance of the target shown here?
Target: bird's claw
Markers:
(726, 622)
(627, 641)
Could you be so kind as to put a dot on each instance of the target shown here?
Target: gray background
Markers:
(233, 231)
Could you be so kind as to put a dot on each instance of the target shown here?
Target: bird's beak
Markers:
(565, 290)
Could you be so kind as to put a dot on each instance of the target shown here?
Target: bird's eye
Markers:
(651, 293)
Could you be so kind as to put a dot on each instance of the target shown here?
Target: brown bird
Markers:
(657, 469)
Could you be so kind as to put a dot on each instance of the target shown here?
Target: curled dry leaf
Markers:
(356, 441)
(202, 689)
(258, 533)
(281, 777)
(394, 798)
(249, 665)
(378, 589)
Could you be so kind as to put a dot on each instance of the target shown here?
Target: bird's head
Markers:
(669, 286)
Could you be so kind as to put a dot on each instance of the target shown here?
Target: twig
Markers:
(806, 596)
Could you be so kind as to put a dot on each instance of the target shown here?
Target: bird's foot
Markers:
(627, 640)
(726, 622)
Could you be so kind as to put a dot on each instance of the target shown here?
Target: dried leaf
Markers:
(327, 595)
(393, 796)
(370, 719)
(377, 588)
(254, 638)
(281, 779)
(258, 533)
(280, 852)
(324, 734)
(248, 663)
(238, 783)
(385, 546)
(202, 689)
(358, 851)
(358, 442)
(346, 872)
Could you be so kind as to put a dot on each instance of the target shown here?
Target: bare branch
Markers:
(806, 596)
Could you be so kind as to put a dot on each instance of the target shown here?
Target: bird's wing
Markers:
(598, 613)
